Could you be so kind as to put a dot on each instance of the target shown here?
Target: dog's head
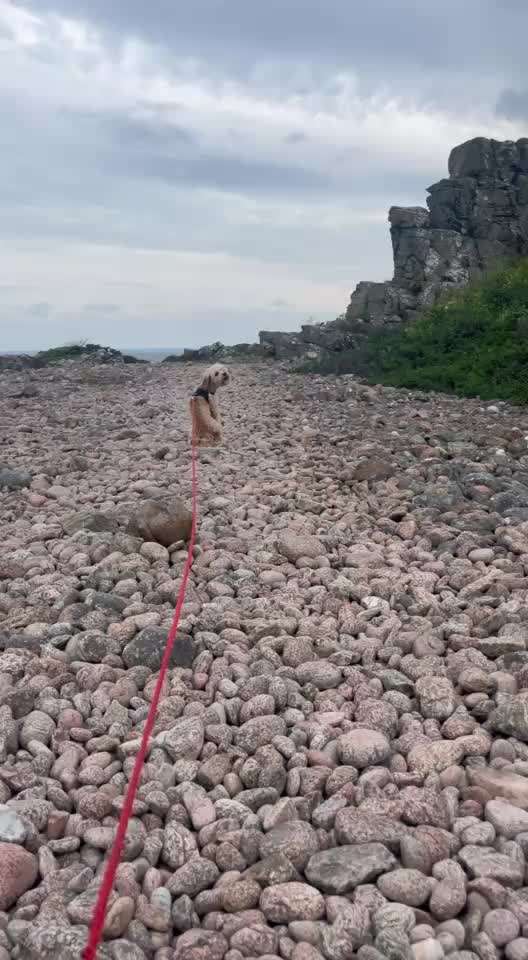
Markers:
(214, 377)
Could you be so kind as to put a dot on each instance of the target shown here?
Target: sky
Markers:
(174, 173)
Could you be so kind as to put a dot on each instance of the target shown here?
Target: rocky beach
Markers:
(339, 765)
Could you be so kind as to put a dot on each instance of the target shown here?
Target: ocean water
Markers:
(152, 354)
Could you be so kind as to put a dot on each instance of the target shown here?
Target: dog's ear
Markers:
(207, 381)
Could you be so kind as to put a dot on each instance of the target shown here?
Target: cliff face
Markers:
(475, 218)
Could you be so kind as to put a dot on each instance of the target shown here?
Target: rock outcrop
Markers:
(87, 354)
(217, 351)
(475, 218)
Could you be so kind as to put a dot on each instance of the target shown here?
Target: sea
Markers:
(152, 354)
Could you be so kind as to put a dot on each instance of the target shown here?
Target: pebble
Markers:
(339, 763)
(12, 827)
(18, 872)
(501, 926)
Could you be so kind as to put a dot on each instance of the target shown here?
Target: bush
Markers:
(473, 344)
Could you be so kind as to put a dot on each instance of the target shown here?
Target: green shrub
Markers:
(474, 344)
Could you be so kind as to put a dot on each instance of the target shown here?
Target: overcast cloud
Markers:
(173, 173)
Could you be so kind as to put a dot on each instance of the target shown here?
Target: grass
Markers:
(474, 344)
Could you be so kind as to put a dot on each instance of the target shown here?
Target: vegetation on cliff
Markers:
(474, 344)
(84, 351)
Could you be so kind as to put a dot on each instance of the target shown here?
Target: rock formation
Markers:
(87, 354)
(217, 351)
(474, 219)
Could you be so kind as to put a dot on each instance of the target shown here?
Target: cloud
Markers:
(513, 104)
(256, 146)
(390, 44)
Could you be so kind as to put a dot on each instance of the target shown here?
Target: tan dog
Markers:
(206, 422)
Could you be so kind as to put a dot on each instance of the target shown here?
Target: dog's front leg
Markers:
(215, 413)
(207, 426)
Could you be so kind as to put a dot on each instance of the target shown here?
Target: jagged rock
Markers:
(92, 520)
(341, 869)
(474, 218)
(146, 649)
(511, 716)
(216, 352)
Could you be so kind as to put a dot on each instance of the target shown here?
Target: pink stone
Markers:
(18, 872)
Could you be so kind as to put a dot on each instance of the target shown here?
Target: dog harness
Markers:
(202, 392)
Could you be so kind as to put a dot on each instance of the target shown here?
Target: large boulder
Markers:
(92, 520)
(146, 649)
(164, 520)
(18, 872)
(474, 217)
(294, 545)
(14, 478)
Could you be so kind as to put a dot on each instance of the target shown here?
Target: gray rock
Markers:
(184, 740)
(373, 469)
(428, 949)
(200, 943)
(406, 886)
(517, 949)
(437, 697)
(495, 647)
(474, 218)
(293, 546)
(448, 899)
(349, 931)
(12, 478)
(259, 732)
(507, 819)
(426, 758)
(486, 862)
(51, 940)
(501, 926)
(295, 839)
(272, 870)
(164, 520)
(352, 826)
(288, 902)
(146, 649)
(341, 869)
(501, 783)
(425, 807)
(363, 748)
(196, 875)
(322, 674)
(511, 716)
(12, 827)
(93, 520)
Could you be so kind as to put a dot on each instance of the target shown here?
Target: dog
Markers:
(206, 423)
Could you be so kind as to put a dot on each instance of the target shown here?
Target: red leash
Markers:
(98, 919)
